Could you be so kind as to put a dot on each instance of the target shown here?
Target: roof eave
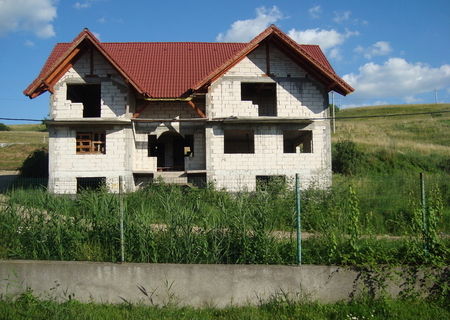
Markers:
(340, 85)
(32, 90)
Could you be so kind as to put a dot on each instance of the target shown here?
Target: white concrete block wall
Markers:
(237, 171)
(114, 91)
(66, 165)
(141, 161)
(299, 97)
(198, 161)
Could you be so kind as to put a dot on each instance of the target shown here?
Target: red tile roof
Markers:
(169, 69)
(166, 70)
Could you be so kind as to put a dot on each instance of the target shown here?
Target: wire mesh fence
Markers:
(169, 221)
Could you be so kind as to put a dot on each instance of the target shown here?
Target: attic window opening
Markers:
(87, 94)
(239, 141)
(297, 141)
(262, 94)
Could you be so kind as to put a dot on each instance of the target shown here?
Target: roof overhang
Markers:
(330, 79)
(83, 41)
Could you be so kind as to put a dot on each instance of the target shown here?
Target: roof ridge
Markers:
(175, 71)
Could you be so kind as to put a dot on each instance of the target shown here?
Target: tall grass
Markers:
(166, 223)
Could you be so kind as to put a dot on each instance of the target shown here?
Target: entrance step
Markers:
(175, 177)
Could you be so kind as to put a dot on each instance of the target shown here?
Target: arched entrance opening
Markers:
(170, 151)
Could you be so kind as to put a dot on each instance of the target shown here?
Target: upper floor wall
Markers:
(247, 91)
(91, 89)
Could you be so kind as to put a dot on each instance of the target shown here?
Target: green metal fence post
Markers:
(424, 211)
(297, 211)
(122, 245)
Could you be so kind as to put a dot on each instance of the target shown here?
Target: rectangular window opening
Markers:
(264, 183)
(90, 183)
(91, 143)
(189, 145)
(297, 141)
(87, 94)
(262, 94)
(152, 145)
(142, 180)
(239, 141)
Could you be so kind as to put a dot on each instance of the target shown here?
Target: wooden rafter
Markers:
(138, 112)
(196, 109)
(62, 65)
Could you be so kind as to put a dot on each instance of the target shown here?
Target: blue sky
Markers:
(390, 51)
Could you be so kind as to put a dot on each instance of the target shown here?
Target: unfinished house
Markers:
(232, 114)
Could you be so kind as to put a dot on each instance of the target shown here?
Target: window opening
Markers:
(90, 183)
(297, 141)
(87, 94)
(152, 145)
(188, 145)
(90, 142)
(262, 94)
(272, 183)
(239, 141)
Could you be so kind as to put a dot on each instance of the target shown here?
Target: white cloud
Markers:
(83, 4)
(101, 20)
(380, 48)
(28, 43)
(335, 53)
(245, 30)
(96, 34)
(397, 78)
(341, 16)
(412, 99)
(365, 103)
(28, 15)
(326, 39)
(314, 12)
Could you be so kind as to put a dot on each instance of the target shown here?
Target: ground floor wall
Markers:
(127, 153)
(67, 165)
(240, 171)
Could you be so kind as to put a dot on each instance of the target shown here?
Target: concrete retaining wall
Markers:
(195, 285)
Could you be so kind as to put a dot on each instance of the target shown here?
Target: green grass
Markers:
(169, 224)
(425, 134)
(28, 127)
(23, 140)
(28, 306)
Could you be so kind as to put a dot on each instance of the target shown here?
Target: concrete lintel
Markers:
(261, 120)
(168, 120)
(87, 121)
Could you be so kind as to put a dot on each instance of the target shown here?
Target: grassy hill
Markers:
(423, 140)
(19, 142)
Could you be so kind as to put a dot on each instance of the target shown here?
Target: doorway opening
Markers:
(170, 149)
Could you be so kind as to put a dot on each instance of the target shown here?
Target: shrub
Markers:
(4, 127)
(347, 158)
(36, 165)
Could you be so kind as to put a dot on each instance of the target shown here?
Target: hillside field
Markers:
(19, 142)
(422, 134)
